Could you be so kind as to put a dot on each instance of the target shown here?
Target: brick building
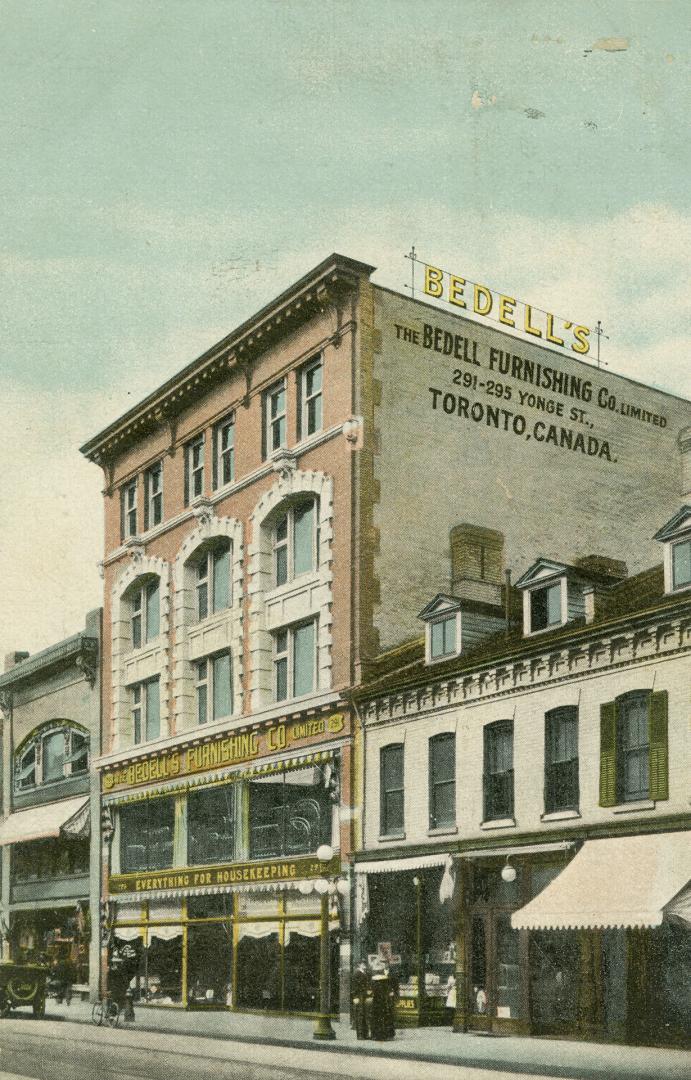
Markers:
(274, 515)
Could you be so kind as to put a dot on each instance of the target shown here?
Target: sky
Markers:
(169, 167)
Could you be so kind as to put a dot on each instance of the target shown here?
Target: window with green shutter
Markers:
(657, 727)
(608, 754)
(634, 759)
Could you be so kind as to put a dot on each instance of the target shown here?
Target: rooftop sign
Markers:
(482, 300)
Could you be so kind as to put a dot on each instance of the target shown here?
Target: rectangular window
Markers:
(194, 469)
(545, 607)
(289, 813)
(224, 452)
(310, 396)
(498, 776)
(145, 612)
(211, 826)
(213, 580)
(153, 495)
(281, 665)
(274, 418)
(633, 755)
(54, 756)
(442, 781)
(146, 835)
(213, 688)
(146, 710)
(561, 760)
(128, 510)
(391, 820)
(294, 661)
(443, 637)
(295, 540)
(681, 564)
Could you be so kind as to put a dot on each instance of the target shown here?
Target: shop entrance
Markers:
(496, 984)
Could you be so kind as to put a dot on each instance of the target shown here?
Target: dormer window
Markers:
(545, 607)
(676, 537)
(681, 564)
(550, 590)
(443, 637)
(442, 618)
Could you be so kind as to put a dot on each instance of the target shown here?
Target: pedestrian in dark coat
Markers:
(394, 994)
(360, 989)
(381, 1004)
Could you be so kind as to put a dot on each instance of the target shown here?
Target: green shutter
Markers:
(657, 729)
(608, 754)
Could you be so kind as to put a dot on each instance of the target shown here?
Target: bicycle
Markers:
(106, 1011)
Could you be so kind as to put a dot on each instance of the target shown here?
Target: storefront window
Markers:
(146, 835)
(289, 813)
(478, 966)
(413, 932)
(259, 965)
(164, 965)
(210, 826)
(210, 907)
(42, 860)
(554, 965)
(209, 963)
(508, 969)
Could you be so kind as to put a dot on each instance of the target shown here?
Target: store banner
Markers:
(225, 750)
(228, 874)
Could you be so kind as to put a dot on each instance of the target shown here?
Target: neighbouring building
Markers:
(51, 704)
(527, 823)
(274, 515)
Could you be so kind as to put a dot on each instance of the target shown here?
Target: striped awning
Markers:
(411, 862)
(52, 819)
(618, 882)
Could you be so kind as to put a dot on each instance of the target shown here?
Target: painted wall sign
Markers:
(510, 392)
(487, 302)
(222, 751)
(223, 874)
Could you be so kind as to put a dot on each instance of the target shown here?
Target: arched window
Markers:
(211, 564)
(57, 751)
(295, 541)
(144, 602)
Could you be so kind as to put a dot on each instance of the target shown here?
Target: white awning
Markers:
(42, 821)
(623, 881)
(414, 862)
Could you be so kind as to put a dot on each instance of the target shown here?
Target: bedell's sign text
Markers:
(226, 874)
(461, 293)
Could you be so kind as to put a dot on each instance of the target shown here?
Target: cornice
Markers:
(322, 287)
(641, 642)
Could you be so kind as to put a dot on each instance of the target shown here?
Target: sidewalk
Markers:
(538, 1057)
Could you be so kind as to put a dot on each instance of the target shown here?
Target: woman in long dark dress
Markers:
(381, 1004)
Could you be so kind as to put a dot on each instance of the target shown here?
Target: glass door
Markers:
(495, 972)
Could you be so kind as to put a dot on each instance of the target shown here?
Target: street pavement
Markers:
(271, 1043)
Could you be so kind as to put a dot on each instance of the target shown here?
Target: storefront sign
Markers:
(247, 873)
(483, 300)
(222, 751)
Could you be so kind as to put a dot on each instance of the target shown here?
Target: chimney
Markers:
(684, 444)
(477, 564)
(603, 566)
(589, 601)
(13, 658)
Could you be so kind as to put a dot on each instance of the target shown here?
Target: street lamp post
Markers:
(322, 1027)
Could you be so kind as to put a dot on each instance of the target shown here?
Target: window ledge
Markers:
(447, 830)
(144, 651)
(499, 823)
(392, 836)
(296, 585)
(633, 807)
(560, 815)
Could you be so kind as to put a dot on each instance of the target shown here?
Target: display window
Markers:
(289, 813)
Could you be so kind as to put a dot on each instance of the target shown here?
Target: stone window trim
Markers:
(227, 622)
(151, 661)
(29, 756)
(291, 484)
